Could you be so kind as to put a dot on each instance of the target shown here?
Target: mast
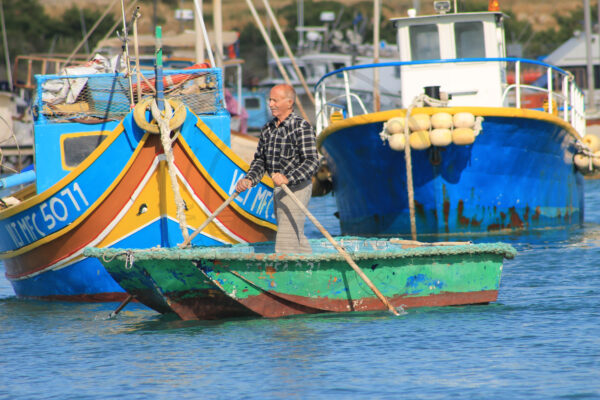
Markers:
(588, 51)
(6, 53)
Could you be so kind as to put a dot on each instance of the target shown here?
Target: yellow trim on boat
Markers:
(383, 116)
(235, 159)
(91, 208)
(75, 135)
(52, 190)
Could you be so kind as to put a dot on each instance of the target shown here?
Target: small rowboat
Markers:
(251, 280)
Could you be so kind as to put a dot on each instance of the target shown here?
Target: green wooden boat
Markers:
(250, 280)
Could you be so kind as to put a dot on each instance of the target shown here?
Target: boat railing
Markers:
(25, 67)
(106, 96)
(549, 89)
(342, 107)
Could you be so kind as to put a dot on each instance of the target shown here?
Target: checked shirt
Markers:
(289, 149)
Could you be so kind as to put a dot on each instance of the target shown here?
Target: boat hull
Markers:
(129, 202)
(517, 175)
(236, 281)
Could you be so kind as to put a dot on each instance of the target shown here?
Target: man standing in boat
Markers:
(287, 150)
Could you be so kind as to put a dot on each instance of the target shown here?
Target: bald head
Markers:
(281, 101)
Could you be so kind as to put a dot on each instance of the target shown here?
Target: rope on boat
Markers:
(164, 123)
(418, 101)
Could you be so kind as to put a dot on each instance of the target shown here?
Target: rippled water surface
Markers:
(540, 340)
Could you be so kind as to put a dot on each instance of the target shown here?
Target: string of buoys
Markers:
(587, 160)
(440, 129)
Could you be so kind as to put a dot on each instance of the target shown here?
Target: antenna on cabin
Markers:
(442, 7)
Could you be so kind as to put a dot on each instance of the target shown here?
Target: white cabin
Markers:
(453, 37)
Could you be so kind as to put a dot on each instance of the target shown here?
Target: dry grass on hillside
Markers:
(236, 14)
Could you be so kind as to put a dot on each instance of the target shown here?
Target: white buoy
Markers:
(582, 162)
(419, 140)
(442, 120)
(397, 142)
(596, 159)
(463, 120)
(440, 137)
(592, 141)
(419, 122)
(463, 136)
(395, 125)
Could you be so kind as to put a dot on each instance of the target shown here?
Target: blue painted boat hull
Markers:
(519, 174)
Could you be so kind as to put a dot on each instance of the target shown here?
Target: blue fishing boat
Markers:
(469, 151)
(113, 170)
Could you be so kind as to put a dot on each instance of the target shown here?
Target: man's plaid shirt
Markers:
(290, 149)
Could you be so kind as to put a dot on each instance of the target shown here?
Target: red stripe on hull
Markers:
(48, 254)
(273, 305)
(242, 227)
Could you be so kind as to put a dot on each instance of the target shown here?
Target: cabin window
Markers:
(78, 148)
(424, 42)
(252, 103)
(469, 39)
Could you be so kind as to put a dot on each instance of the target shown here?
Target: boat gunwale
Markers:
(507, 112)
(217, 253)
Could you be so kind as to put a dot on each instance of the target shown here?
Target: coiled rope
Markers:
(168, 120)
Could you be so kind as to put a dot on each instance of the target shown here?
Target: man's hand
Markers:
(279, 179)
(242, 185)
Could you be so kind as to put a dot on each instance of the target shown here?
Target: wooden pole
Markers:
(267, 40)
(218, 31)
(121, 306)
(200, 17)
(90, 33)
(409, 178)
(136, 46)
(339, 248)
(187, 241)
(6, 52)
(127, 60)
(376, 98)
(288, 51)
(199, 43)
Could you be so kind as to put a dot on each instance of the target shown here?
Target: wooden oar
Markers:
(339, 248)
(187, 241)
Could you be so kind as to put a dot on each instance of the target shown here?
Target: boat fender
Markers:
(463, 120)
(582, 162)
(397, 142)
(592, 141)
(463, 136)
(419, 140)
(440, 137)
(596, 159)
(139, 115)
(395, 125)
(442, 120)
(419, 122)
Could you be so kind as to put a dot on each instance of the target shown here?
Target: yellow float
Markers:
(463, 136)
(440, 137)
(442, 120)
(395, 125)
(397, 142)
(419, 140)
(419, 122)
(463, 120)
(596, 159)
(582, 162)
(592, 141)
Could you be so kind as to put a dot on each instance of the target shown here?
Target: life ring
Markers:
(139, 115)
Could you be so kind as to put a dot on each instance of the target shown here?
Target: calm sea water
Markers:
(541, 340)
